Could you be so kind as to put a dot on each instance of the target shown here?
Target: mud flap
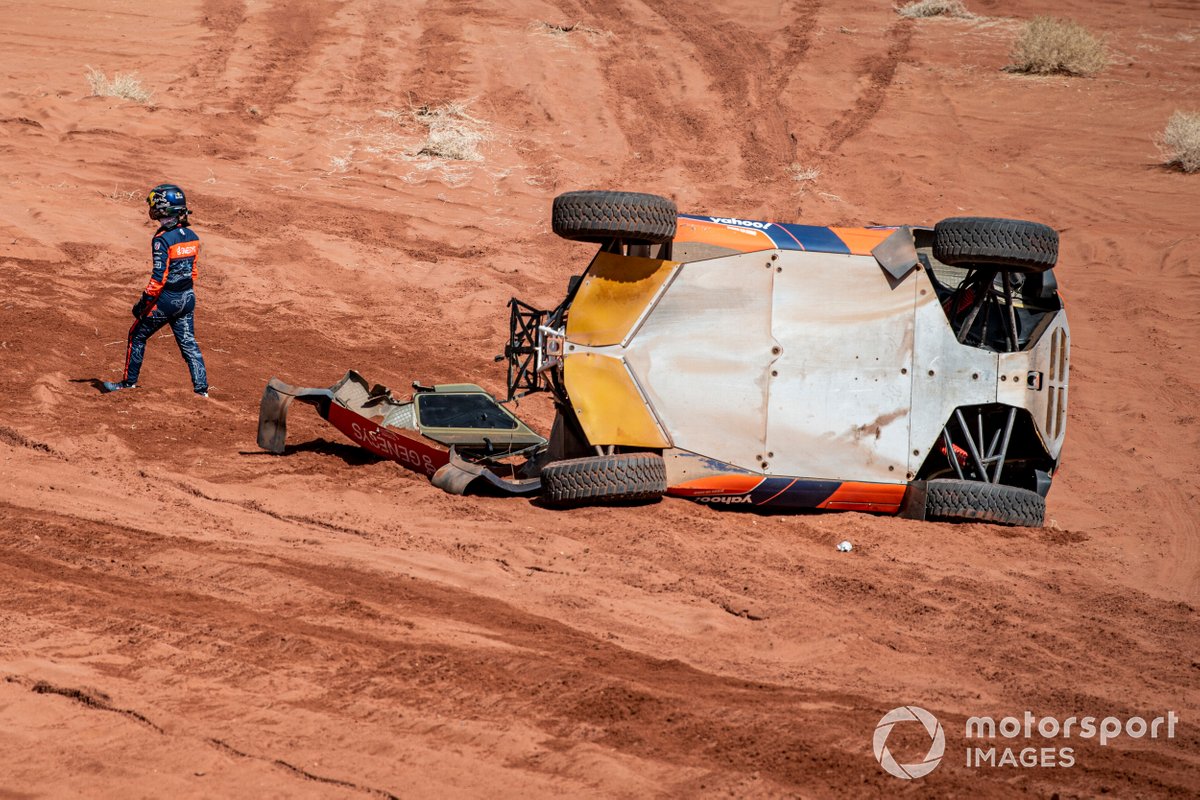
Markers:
(897, 254)
(915, 498)
(460, 476)
(273, 409)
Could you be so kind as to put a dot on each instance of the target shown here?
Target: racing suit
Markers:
(169, 299)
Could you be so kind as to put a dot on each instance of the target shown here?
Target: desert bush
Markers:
(934, 8)
(563, 33)
(802, 175)
(121, 195)
(452, 133)
(1180, 141)
(1048, 46)
(558, 29)
(124, 85)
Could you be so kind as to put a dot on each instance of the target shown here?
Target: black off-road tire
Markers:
(1012, 245)
(975, 501)
(605, 480)
(593, 216)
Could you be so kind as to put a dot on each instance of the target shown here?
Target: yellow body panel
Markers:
(614, 293)
(607, 401)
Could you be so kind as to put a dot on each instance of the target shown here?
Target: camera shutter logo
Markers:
(936, 747)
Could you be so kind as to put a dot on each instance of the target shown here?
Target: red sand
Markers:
(181, 615)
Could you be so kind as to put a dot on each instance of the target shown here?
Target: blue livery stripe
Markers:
(785, 236)
(781, 492)
(815, 238)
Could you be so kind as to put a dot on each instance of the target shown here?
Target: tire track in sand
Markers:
(295, 29)
(881, 73)
(439, 75)
(223, 18)
(559, 678)
(748, 70)
(99, 701)
(753, 91)
(358, 645)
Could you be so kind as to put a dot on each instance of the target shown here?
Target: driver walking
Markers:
(169, 297)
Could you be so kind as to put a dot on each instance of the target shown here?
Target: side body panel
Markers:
(412, 452)
(732, 234)
(708, 481)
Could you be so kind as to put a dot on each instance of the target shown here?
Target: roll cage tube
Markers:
(529, 368)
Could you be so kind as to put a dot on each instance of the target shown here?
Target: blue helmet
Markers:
(166, 201)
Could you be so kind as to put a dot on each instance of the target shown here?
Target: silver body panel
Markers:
(842, 384)
(823, 365)
(701, 357)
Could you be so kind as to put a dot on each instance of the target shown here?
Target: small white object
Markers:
(844, 546)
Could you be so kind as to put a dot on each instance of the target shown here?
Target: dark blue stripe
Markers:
(803, 493)
(787, 236)
(816, 238)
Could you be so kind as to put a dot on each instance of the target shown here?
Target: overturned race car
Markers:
(911, 370)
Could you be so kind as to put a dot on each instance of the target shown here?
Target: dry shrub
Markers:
(563, 32)
(802, 174)
(557, 29)
(919, 9)
(124, 85)
(452, 133)
(1049, 46)
(1180, 141)
(440, 139)
(121, 195)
